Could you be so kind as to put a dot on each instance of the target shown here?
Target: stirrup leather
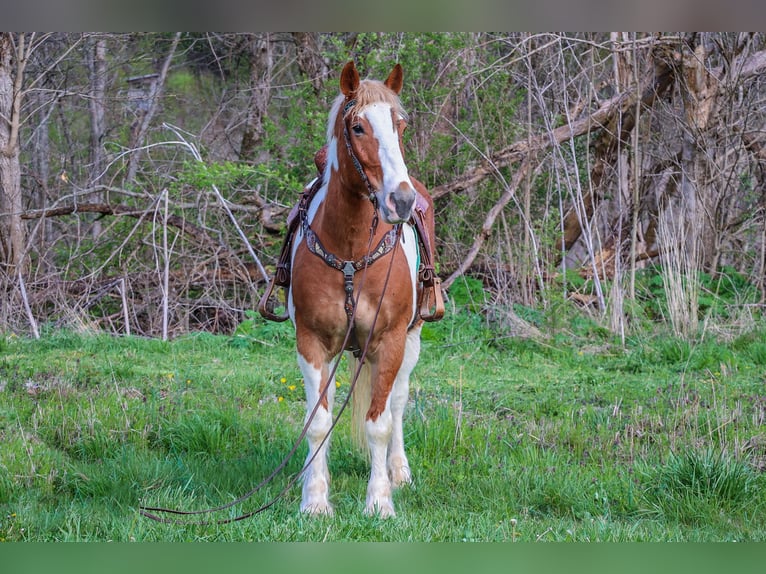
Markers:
(430, 300)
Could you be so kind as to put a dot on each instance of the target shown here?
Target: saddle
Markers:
(430, 300)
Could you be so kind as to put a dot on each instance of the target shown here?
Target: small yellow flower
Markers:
(283, 380)
(337, 384)
(280, 399)
(291, 387)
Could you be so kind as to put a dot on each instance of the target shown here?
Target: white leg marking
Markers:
(316, 478)
(398, 466)
(379, 488)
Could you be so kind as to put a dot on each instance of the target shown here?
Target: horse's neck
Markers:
(346, 215)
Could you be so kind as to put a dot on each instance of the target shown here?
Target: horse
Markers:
(354, 286)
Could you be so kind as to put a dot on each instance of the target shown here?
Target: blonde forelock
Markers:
(368, 92)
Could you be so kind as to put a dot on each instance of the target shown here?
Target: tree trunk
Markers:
(13, 57)
(97, 68)
(41, 164)
(145, 119)
(261, 64)
(310, 59)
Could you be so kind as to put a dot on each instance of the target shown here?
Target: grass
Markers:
(567, 438)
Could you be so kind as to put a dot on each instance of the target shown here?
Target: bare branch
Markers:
(489, 221)
(606, 112)
(190, 229)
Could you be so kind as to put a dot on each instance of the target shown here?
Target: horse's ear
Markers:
(395, 78)
(349, 79)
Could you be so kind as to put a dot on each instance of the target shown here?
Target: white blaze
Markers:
(389, 152)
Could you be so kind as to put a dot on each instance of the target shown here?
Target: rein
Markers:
(388, 243)
(152, 512)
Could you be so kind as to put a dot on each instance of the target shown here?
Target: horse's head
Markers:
(373, 125)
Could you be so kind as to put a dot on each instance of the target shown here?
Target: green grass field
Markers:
(571, 437)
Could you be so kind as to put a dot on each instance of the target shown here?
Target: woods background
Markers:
(145, 178)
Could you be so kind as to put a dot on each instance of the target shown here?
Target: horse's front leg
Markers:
(316, 478)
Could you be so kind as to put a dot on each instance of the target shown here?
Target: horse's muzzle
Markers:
(397, 205)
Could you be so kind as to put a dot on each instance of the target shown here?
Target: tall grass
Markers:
(680, 264)
(694, 487)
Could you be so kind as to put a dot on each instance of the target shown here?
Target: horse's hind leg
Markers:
(378, 432)
(316, 478)
(398, 466)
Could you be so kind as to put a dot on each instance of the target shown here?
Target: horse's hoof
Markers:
(399, 473)
(317, 509)
(381, 508)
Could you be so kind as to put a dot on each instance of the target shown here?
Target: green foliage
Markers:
(674, 350)
(751, 346)
(234, 179)
(726, 289)
(469, 294)
(563, 319)
(214, 433)
(464, 320)
(255, 330)
(529, 314)
(181, 81)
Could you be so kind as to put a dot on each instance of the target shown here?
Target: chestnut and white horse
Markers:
(354, 268)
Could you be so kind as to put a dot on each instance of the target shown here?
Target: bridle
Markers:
(357, 164)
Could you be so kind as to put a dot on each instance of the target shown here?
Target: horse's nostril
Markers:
(391, 203)
(399, 203)
(403, 207)
(404, 199)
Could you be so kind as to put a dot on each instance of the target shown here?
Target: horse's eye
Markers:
(357, 129)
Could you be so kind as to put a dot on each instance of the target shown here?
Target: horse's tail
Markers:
(360, 401)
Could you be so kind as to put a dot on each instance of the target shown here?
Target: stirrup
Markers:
(269, 302)
(431, 301)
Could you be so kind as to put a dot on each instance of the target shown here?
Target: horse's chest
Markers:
(327, 308)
